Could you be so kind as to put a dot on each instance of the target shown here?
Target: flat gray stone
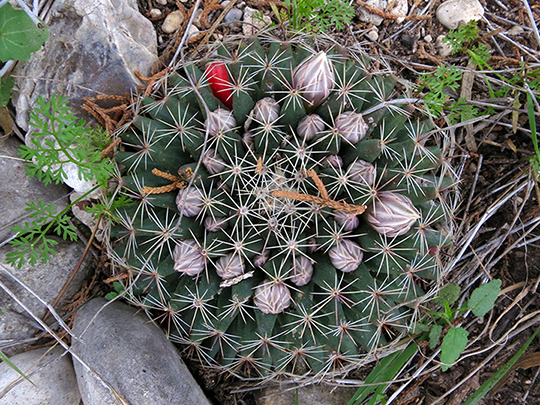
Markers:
(51, 373)
(46, 280)
(93, 48)
(16, 188)
(311, 395)
(233, 16)
(132, 356)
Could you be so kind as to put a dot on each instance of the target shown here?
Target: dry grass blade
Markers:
(46, 328)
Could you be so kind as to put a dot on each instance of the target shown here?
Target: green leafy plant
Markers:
(34, 245)
(19, 37)
(118, 290)
(456, 338)
(61, 139)
(302, 241)
(316, 15)
(438, 85)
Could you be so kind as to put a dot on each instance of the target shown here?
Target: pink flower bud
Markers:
(332, 161)
(310, 126)
(312, 245)
(346, 256)
(266, 110)
(213, 163)
(247, 139)
(362, 172)
(261, 259)
(230, 266)
(189, 201)
(302, 271)
(219, 122)
(215, 224)
(391, 214)
(348, 222)
(272, 297)
(188, 258)
(351, 126)
(314, 78)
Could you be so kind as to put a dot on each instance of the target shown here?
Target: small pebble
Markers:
(233, 16)
(442, 47)
(225, 3)
(155, 13)
(162, 2)
(193, 32)
(515, 30)
(373, 34)
(428, 38)
(172, 22)
(453, 13)
(197, 19)
(472, 167)
(408, 40)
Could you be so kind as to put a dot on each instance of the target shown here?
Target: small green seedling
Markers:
(315, 15)
(118, 290)
(456, 338)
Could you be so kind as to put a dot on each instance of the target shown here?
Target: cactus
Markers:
(290, 218)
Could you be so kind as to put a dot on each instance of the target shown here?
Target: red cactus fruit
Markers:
(219, 81)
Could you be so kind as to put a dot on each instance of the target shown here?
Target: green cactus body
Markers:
(259, 259)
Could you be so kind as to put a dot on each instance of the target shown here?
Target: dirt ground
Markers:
(492, 173)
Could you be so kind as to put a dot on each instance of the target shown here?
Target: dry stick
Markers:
(389, 16)
(531, 17)
(56, 337)
(466, 93)
(43, 302)
(75, 270)
(216, 24)
(324, 201)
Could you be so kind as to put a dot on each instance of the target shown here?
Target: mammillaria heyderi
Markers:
(261, 259)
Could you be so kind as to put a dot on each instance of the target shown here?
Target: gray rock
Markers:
(46, 280)
(52, 374)
(16, 188)
(398, 7)
(443, 48)
(132, 356)
(94, 48)
(233, 16)
(253, 22)
(312, 395)
(453, 13)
